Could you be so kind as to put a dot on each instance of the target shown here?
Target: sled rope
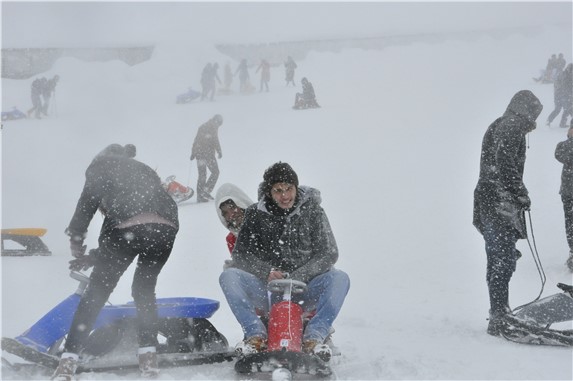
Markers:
(537, 260)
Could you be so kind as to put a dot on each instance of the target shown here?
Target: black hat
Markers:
(279, 173)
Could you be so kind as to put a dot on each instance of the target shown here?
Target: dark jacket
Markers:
(300, 243)
(564, 154)
(502, 163)
(206, 142)
(563, 88)
(120, 188)
(308, 91)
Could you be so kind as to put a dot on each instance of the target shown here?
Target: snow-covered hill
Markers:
(395, 152)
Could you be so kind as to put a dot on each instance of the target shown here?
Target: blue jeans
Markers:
(246, 294)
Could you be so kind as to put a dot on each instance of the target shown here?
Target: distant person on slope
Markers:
(265, 69)
(564, 154)
(205, 146)
(290, 67)
(243, 71)
(36, 90)
(500, 199)
(563, 96)
(306, 99)
(48, 90)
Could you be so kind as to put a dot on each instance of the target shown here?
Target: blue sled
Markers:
(186, 336)
(13, 115)
(188, 96)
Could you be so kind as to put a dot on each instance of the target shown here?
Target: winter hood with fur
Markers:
(226, 192)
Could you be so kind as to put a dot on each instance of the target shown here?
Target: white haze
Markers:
(394, 150)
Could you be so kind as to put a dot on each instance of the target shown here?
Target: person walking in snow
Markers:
(36, 90)
(500, 199)
(265, 69)
(243, 71)
(563, 96)
(228, 78)
(230, 204)
(205, 146)
(140, 220)
(290, 67)
(564, 154)
(48, 90)
(208, 78)
(285, 234)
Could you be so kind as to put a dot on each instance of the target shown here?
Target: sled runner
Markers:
(284, 356)
(553, 309)
(186, 336)
(531, 324)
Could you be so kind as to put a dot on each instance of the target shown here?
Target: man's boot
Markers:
(148, 362)
(66, 368)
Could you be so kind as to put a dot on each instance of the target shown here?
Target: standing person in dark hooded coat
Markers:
(564, 154)
(500, 199)
(141, 220)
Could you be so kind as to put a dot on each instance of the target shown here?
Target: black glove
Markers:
(82, 263)
(524, 202)
(77, 247)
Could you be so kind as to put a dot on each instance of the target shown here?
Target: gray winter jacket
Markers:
(564, 154)
(300, 243)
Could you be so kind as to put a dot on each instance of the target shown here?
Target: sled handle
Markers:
(566, 288)
(83, 279)
(282, 285)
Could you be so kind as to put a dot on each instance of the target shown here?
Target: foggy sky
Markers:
(97, 24)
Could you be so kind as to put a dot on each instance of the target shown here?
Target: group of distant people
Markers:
(210, 78)
(42, 89)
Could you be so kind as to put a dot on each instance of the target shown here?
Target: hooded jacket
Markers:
(502, 163)
(300, 243)
(121, 188)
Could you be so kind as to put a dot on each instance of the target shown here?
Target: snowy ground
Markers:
(395, 152)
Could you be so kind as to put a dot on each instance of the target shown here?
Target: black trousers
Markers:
(204, 185)
(152, 245)
(502, 255)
